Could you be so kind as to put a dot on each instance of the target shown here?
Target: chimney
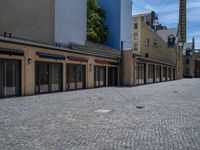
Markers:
(182, 21)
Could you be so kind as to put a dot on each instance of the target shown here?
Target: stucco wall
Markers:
(70, 21)
(112, 21)
(126, 24)
(30, 19)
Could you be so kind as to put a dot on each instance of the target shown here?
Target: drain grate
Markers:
(140, 107)
(175, 92)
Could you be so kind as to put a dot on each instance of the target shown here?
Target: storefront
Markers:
(164, 75)
(158, 74)
(48, 77)
(151, 73)
(10, 78)
(169, 74)
(75, 77)
(174, 74)
(112, 76)
(99, 76)
(140, 74)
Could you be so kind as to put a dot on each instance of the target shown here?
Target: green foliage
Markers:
(97, 31)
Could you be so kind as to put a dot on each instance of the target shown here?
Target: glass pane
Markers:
(80, 77)
(55, 75)
(1, 78)
(43, 75)
(10, 79)
(102, 76)
(71, 77)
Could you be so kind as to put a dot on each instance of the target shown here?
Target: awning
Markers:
(79, 59)
(51, 56)
(106, 62)
(146, 60)
(11, 52)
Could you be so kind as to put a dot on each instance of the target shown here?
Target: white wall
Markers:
(70, 21)
(126, 23)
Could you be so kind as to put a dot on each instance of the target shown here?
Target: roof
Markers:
(186, 46)
(141, 15)
(165, 33)
(102, 53)
(96, 47)
(152, 60)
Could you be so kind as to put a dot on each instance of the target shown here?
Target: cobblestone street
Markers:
(157, 116)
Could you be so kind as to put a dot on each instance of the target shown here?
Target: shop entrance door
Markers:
(10, 83)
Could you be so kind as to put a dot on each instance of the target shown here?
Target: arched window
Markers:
(171, 41)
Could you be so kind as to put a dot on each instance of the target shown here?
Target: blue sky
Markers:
(168, 12)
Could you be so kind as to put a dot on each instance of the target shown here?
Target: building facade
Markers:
(155, 56)
(33, 62)
(45, 21)
(28, 68)
(118, 20)
(191, 60)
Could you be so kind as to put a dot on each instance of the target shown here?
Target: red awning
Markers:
(79, 59)
(106, 62)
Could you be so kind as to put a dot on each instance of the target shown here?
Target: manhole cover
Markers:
(102, 111)
(140, 107)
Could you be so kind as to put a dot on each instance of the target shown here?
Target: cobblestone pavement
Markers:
(105, 118)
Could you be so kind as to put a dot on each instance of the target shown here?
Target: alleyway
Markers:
(156, 116)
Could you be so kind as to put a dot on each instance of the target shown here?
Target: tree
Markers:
(97, 31)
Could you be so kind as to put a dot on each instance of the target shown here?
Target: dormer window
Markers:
(188, 52)
(171, 41)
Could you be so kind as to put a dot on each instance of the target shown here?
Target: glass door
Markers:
(80, 76)
(100, 76)
(48, 77)
(1, 78)
(112, 76)
(151, 72)
(169, 74)
(141, 73)
(75, 77)
(164, 77)
(10, 78)
(55, 77)
(158, 73)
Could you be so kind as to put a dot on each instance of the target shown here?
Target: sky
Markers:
(168, 14)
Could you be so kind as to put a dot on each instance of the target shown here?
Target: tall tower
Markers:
(182, 21)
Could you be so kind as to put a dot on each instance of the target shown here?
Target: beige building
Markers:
(45, 54)
(28, 68)
(156, 55)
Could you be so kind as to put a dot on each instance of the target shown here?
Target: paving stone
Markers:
(105, 119)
